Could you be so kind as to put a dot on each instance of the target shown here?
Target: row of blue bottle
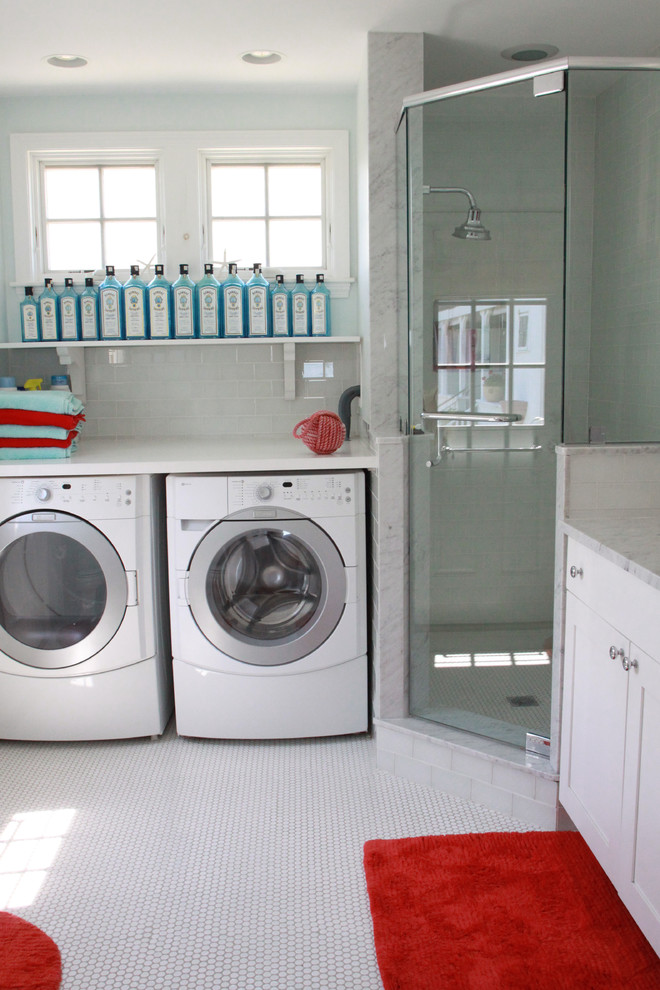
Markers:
(185, 309)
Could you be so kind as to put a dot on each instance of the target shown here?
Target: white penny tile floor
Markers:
(183, 864)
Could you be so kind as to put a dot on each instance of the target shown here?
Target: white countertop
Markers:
(164, 455)
(631, 541)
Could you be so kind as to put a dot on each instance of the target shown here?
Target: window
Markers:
(98, 215)
(269, 213)
(280, 198)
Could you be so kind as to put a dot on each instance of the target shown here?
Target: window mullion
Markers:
(267, 216)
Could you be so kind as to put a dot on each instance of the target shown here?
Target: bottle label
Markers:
(134, 312)
(110, 325)
(88, 320)
(48, 319)
(280, 315)
(208, 311)
(159, 311)
(30, 322)
(183, 312)
(300, 304)
(233, 311)
(258, 311)
(68, 317)
(319, 323)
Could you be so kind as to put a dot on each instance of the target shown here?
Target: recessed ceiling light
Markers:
(262, 57)
(529, 53)
(66, 61)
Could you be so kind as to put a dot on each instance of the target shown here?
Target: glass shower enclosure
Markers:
(521, 259)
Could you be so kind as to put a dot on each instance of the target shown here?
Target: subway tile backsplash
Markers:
(210, 391)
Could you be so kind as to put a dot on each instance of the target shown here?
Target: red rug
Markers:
(29, 959)
(501, 911)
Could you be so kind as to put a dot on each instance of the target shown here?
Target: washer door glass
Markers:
(63, 590)
(267, 594)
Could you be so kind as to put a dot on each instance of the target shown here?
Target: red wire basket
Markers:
(323, 432)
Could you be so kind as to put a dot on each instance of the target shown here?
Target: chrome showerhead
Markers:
(472, 229)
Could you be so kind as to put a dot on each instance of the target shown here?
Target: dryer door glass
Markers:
(266, 594)
(57, 603)
(265, 585)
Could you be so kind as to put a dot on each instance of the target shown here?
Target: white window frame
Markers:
(182, 162)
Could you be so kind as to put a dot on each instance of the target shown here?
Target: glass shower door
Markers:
(485, 388)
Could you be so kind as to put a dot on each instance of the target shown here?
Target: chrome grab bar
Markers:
(456, 416)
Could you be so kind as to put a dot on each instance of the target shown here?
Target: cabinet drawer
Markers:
(627, 602)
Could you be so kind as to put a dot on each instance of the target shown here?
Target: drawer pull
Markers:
(576, 571)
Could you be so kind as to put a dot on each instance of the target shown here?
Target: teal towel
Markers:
(52, 402)
(32, 453)
(47, 432)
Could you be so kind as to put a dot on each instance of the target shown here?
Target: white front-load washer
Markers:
(84, 636)
(267, 603)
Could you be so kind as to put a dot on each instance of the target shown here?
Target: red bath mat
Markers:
(501, 911)
(29, 959)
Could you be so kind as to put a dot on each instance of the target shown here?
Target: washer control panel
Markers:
(308, 494)
(105, 497)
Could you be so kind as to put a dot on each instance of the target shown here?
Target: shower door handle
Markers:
(472, 417)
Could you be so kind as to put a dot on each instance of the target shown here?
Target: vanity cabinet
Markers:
(609, 778)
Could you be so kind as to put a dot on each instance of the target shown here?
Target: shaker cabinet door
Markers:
(593, 730)
(639, 881)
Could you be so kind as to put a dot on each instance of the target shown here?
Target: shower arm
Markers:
(452, 189)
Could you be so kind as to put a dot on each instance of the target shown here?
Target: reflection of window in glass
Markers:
(272, 214)
(95, 215)
(498, 366)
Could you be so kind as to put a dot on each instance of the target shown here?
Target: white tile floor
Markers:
(209, 865)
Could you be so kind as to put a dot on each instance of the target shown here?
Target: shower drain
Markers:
(522, 701)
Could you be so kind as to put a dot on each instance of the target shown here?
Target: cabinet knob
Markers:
(617, 654)
(627, 663)
(576, 571)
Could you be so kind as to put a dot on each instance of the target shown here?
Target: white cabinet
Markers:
(609, 782)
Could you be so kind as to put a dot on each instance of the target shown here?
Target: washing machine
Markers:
(267, 604)
(84, 633)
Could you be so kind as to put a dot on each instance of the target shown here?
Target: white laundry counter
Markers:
(165, 455)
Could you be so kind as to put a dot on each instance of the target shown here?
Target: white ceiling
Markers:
(161, 46)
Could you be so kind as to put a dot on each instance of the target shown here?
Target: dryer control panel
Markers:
(309, 494)
(101, 497)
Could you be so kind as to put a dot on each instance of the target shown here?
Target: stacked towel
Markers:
(39, 424)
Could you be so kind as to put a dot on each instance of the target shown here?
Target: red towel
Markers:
(37, 441)
(32, 417)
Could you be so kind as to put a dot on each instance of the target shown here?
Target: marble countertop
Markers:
(164, 455)
(631, 541)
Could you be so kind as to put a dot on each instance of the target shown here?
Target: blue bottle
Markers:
(29, 317)
(134, 302)
(257, 305)
(69, 302)
(300, 308)
(110, 314)
(280, 304)
(233, 304)
(320, 305)
(89, 311)
(49, 312)
(159, 299)
(183, 291)
(207, 304)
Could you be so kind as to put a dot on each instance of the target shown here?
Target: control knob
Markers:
(264, 492)
(43, 494)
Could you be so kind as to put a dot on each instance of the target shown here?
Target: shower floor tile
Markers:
(180, 864)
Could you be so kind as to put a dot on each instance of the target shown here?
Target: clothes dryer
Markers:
(84, 636)
(267, 604)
